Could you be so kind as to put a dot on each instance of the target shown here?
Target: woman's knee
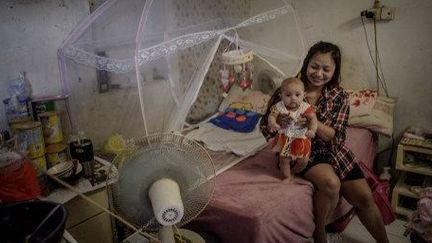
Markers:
(330, 186)
(363, 201)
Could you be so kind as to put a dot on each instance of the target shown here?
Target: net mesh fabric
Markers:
(136, 67)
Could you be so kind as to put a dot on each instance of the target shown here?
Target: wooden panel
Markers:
(80, 209)
(97, 229)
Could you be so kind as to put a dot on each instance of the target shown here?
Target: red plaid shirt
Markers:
(332, 110)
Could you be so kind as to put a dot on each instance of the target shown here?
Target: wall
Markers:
(31, 31)
(404, 45)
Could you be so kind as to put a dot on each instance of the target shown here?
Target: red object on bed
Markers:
(252, 203)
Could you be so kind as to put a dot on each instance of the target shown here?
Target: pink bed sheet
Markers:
(252, 203)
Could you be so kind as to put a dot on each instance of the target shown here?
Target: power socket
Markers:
(379, 14)
(386, 13)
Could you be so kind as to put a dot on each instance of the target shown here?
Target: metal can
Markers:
(51, 127)
(42, 106)
(16, 121)
(40, 164)
(30, 139)
(56, 153)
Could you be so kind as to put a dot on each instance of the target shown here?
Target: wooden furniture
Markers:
(413, 162)
(88, 223)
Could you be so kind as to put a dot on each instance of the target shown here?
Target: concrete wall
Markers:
(405, 47)
(31, 31)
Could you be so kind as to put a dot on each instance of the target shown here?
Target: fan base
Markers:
(188, 236)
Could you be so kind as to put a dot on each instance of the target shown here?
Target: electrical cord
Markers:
(377, 63)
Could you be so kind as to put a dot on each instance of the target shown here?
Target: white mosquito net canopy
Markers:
(136, 67)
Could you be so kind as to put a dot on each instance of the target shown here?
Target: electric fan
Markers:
(168, 181)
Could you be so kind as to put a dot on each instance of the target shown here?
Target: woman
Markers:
(332, 168)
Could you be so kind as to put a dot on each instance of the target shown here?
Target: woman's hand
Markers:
(310, 134)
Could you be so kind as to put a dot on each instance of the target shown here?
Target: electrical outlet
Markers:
(379, 14)
(387, 13)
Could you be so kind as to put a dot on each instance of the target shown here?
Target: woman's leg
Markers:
(358, 193)
(325, 198)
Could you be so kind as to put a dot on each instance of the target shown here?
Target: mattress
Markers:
(252, 203)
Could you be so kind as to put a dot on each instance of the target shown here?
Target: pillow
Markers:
(380, 119)
(256, 98)
(361, 101)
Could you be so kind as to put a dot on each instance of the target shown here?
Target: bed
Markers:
(251, 202)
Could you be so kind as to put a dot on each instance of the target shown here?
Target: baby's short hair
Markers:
(291, 80)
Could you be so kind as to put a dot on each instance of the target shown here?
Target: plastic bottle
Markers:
(385, 175)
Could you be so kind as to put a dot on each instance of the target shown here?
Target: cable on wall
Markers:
(381, 82)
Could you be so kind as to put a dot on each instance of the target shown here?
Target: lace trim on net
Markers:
(101, 63)
(180, 43)
(163, 49)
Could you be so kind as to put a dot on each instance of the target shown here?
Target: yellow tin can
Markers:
(30, 138)
(51, 127)
(14, 122)
(40, 164)
(56, 153)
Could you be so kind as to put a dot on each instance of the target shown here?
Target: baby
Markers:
(293, 140)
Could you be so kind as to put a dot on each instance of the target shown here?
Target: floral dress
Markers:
(291, 140)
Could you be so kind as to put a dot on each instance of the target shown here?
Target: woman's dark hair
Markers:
(319, 47)
(323, 47)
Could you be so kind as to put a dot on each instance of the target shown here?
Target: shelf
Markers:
(424, 170)
(401, 164)
(416, 149)
(403, 199)
(399, 191)
(403, 211)
(404, 190)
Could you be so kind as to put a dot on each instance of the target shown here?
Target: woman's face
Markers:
(320, 69)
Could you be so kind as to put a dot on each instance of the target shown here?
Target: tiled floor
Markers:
(357, 233)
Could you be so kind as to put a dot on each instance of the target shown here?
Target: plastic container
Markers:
(385, 176)
(17, 109)
(42, 220)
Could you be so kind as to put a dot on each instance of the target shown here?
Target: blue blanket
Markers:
(237, 120)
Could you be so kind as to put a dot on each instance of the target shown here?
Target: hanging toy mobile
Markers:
(237, 67)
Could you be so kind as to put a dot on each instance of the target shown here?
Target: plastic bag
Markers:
(380, 192)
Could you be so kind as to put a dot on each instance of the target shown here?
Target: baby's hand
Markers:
(301, 121)
(274, 127)
(310, 134)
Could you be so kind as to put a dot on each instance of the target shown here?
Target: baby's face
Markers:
(292, 95)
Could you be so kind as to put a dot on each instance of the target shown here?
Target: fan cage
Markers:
(195, 195)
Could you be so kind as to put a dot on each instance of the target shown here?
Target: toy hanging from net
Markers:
(237, 67)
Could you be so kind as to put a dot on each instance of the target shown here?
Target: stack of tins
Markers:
(52, 132)
(31, 142)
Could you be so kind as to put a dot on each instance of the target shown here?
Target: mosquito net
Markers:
(136, 67)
